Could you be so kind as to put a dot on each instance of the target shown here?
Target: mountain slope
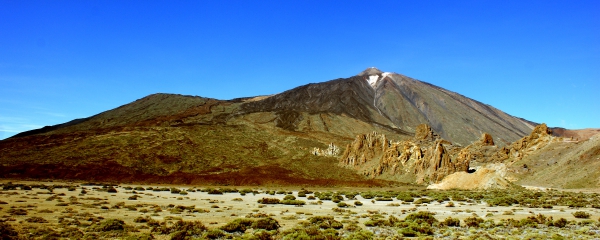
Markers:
(268, 139)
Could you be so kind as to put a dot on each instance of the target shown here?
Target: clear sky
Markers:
(61, 60)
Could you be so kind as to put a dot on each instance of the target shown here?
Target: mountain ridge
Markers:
(167, 135)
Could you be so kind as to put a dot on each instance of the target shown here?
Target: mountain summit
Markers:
(370, 71)
(252, 140)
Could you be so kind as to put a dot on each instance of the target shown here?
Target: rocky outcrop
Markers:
(424, 158)
(331, 151)
(364, 148)
(425, 133)
(437, 164)
(540, 137)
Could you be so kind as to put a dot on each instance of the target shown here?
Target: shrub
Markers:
(237, 225)
(367, 195)
(325, 222)
(289, 197)
(376, 223)
(473, 221)
(412, 229)
(214, 233)
(358, 203)
(405, 198)
(293, 202)
(141, 188)
(422, 217)
(269, 201)
(36, 220)
(141, 219)
(423, 200)
(215, 192)
(7, 231)
(110, 225)
(561, 223)
(581, 214)
(187, 228)
(266, 224)
(111, 190)
(361, 234)
(17, 211)
(384, 199)
(342, 204)
(451, 222)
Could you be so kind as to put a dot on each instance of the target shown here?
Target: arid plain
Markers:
(52, 210)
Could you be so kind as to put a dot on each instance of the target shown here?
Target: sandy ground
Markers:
(216, 210)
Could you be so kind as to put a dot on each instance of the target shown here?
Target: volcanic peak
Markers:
(370, 71)
(374, 75)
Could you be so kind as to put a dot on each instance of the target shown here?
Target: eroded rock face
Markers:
(424, 132)
(486, 139)
(364, 148)
(424, 159)
(540, 137)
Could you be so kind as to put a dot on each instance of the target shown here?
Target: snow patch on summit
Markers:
(386, 74)
(373, 79)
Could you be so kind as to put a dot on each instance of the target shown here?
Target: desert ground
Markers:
(70, 210)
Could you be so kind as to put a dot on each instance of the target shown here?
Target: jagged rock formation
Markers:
(540, 137)
(423, 159)
(331, 151)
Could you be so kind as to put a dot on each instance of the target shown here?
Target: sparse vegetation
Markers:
(158, 215)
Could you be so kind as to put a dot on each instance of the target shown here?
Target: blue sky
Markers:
(61, 60)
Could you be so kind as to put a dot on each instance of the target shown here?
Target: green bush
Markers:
(266, 224)
(581, 214)
(110, 225)
(215, 192)
(181, 229)
(293, 202)
(325, 222)
(561, 223)
(358, 203)
(422, 217)
(214, 233)
(473, 221)
(376, 223)
(451, 222)
(289, 197)
(238, 225)
(405, 198)
(413, 229)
